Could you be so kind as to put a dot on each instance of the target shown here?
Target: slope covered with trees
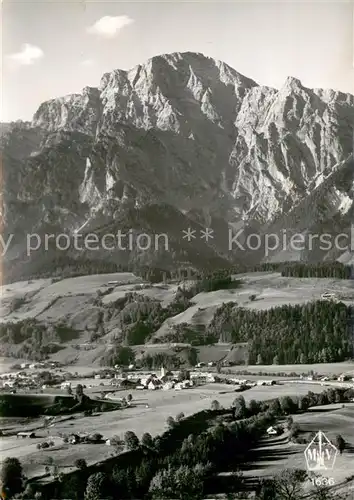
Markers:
(317, 332)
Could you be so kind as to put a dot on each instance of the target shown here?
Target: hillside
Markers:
(80, 320)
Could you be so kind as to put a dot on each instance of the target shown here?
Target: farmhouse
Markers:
(266, 382)
(26, 434)
(74, 439)
(154, 384)
(272, 431)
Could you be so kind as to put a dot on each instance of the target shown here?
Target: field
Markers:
(321, 368)
(138, 418)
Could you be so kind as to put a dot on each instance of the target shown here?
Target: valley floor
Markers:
(138, 419)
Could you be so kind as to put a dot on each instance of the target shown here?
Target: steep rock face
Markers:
(182, 131)
(76, 112)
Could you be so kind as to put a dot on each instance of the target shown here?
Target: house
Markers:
(272, 431)
(154, 384)
(26, 434)
(146, 380)
(74, 439)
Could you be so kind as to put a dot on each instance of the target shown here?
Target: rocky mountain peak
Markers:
(187, 133)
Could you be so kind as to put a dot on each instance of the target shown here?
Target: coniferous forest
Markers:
(316, 332)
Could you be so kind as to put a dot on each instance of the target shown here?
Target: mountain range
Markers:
(181, 141)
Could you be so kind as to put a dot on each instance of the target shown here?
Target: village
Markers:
(49, 376)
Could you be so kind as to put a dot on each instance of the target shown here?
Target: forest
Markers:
(316, 332)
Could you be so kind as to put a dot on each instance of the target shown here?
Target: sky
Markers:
(53, 48)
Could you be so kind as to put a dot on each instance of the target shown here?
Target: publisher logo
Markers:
(320, 454)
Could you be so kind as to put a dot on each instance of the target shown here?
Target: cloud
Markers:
(28, 55)
(109, 26)
(87, 62)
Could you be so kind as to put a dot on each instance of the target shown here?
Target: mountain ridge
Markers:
(181, 130)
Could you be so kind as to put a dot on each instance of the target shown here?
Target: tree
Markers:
(170, 422)
(289, 484)
(11, 476)
(96, 486)
(275, 407)
(181, 483)
(303, 359)
(239, 405)
(289, 422)
(79, 391)
(117, 443)
(131, 440)
(215, 405)
(287, 405)
(303, 403)
(340, 443)
(123, 356)
(80, 463)
(179, 416)
(55, 471)
(146, 440)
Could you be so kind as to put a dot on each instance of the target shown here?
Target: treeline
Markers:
(316, 332)
(37, 340)
(124, 356)
(196, 335)
(322, 270)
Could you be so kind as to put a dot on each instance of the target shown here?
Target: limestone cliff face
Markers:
(187, 133)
